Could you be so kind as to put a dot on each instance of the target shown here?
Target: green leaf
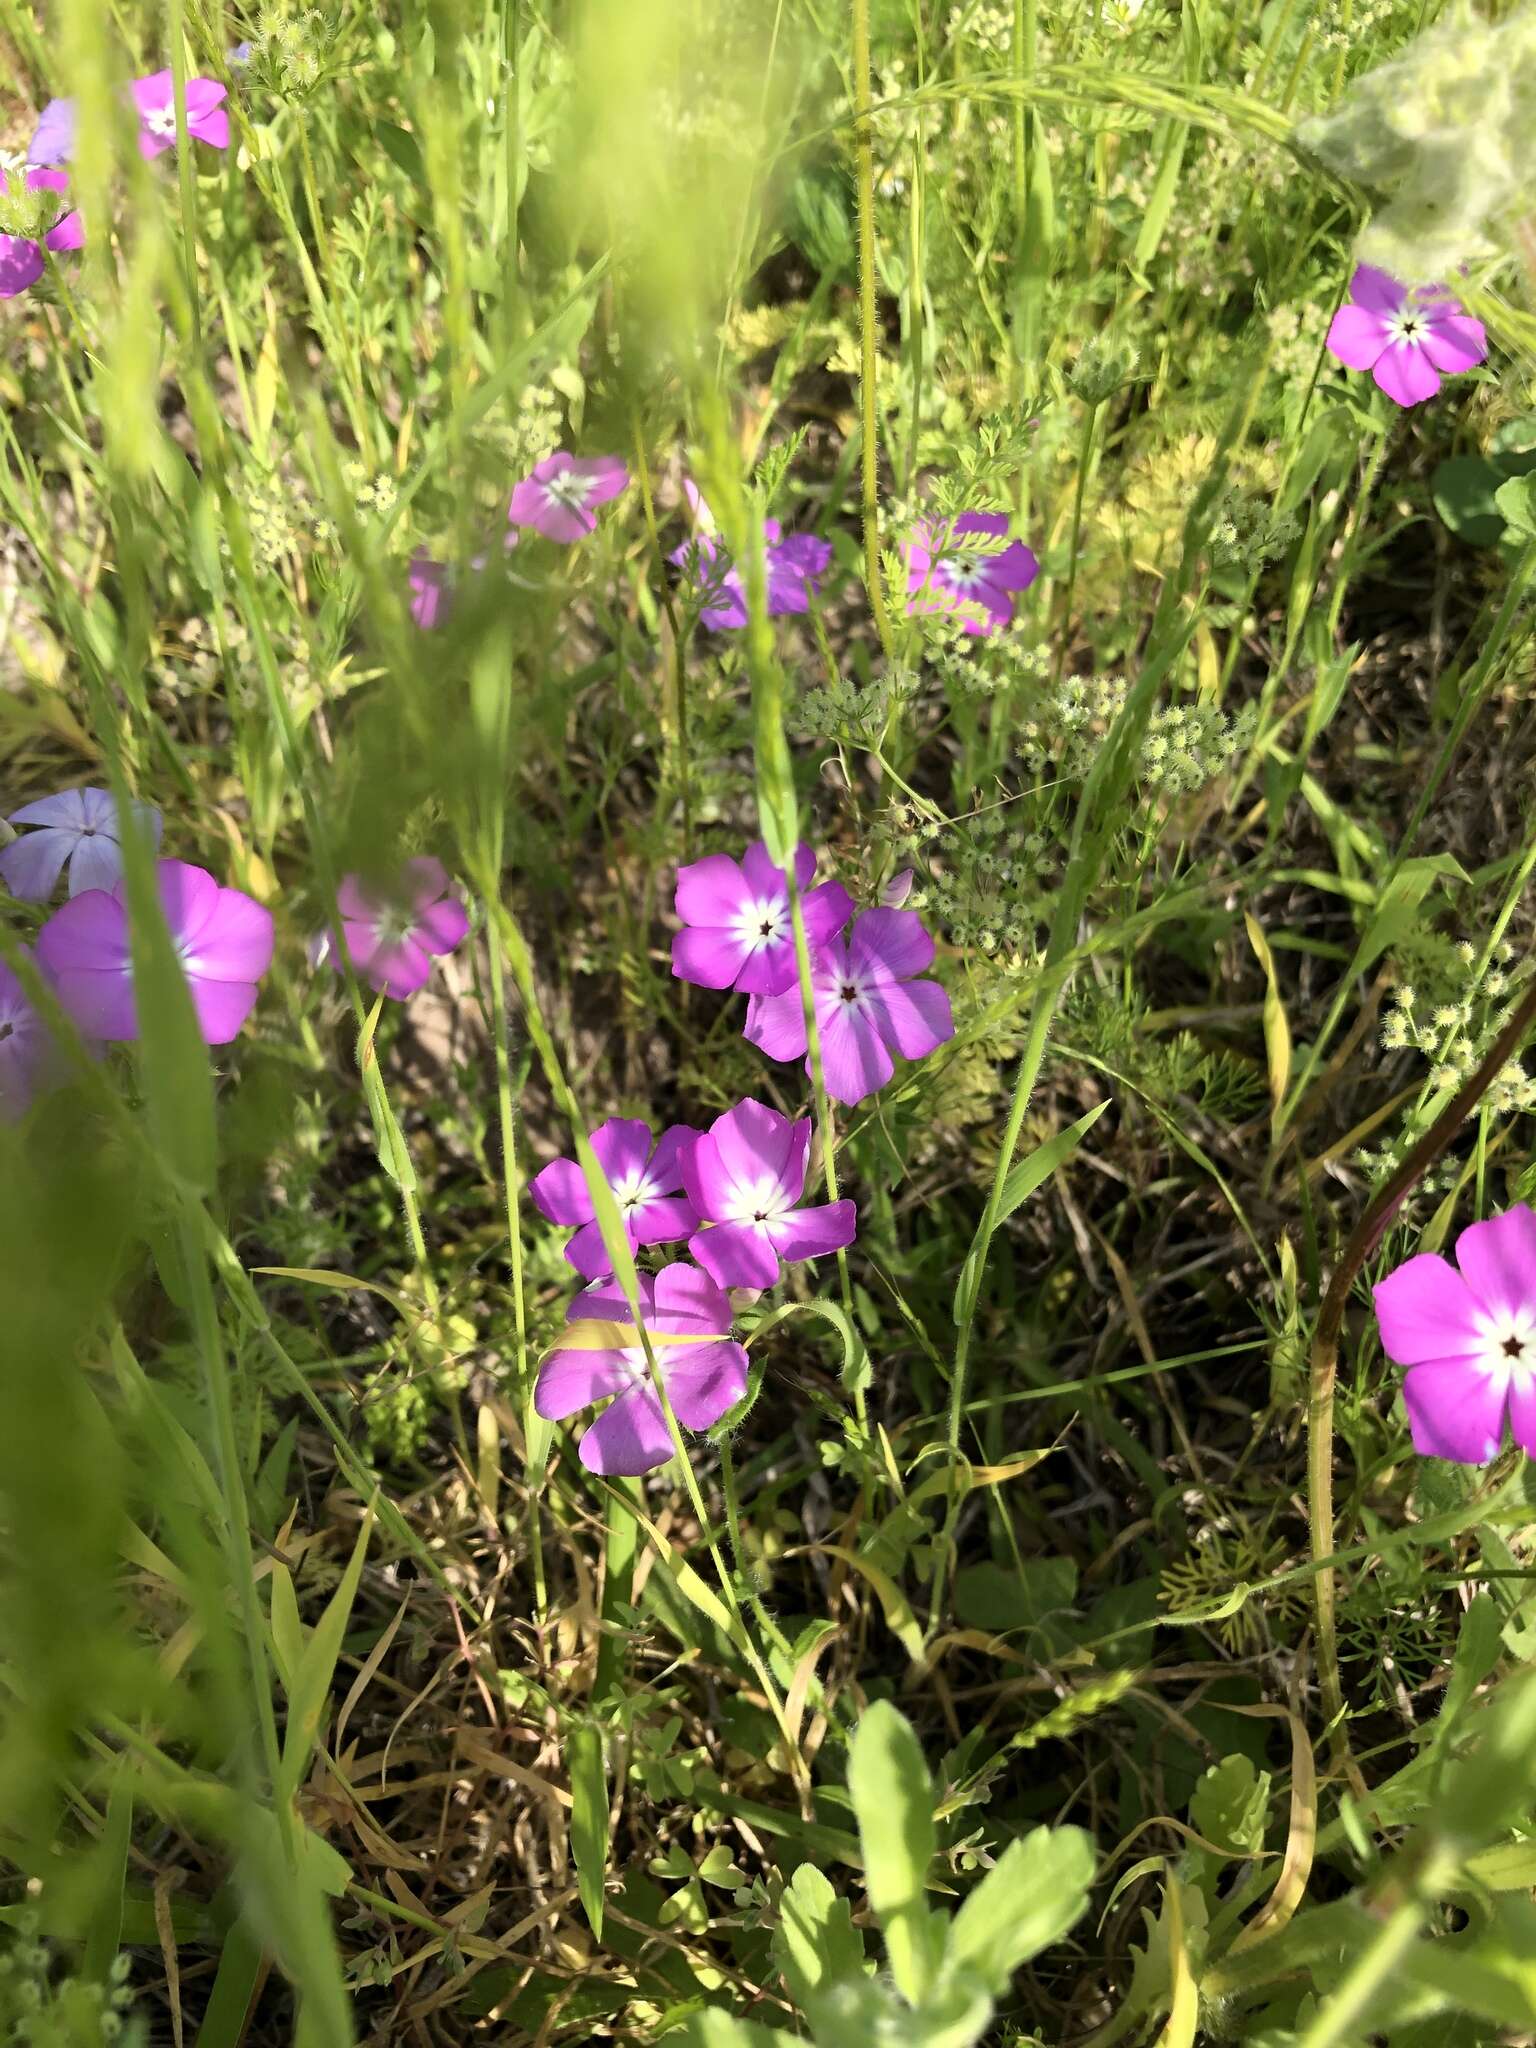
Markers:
(401, 146)
(714, 2029)
(893, 1801)
(589, 1819)
(173, 1058)
(316, 1667)
(1516, 501)
(1465, 490)
(1028, 1899)
(1230, 1805)
(816, 1943)
(230, 2000)
(1001, 1597)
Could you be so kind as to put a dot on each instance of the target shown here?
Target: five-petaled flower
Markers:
(1468, 1339)
(746, 1176)
(868, 1004)
(222, 937)
(688, 1321)
(155, 98)
(76, 829)
(977, 586)
(392, 934)
(22, 261)
(558, 497)
(794, 565)
(26, 1046)
(647, 1186)
(1407, 338)
(737, 927)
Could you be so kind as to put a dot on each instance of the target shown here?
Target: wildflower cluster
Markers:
(981, 877)
(1453, 1021)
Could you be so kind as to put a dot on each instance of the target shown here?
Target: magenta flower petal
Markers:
(622, 1146)
(706, 1381)
(1456, 343)
(629, 1437)
(1522, 1412)
(1455, 1411)
(736, 1254)
(442, 926)
(813, 1233)
(561, 1194)
(1357, 337)
(570, 1380)
(764, 879)
(587, 1252)
(776, 1025)
(430, 586)
(222, 1008)
(21, 265)
(708, 959)
(1426, 1310)
(890, 945)
(396, 971)
(993, 524)
(89, 935)
(913, 1016)
(153, 92)
(232, 944)
(1373, 288)
(391, 936)
(662, 1221)
(1497, 1260)
(854, 1060)
(1405, 373)
(687, 1300)
(711, 891)
(27, 1050)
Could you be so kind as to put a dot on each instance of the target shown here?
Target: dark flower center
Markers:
(848, 993)
(1513, 1348)
(765, 929)
(5, 1032)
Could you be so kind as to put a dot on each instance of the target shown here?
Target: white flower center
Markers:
(161, 122)
(1509, 1345)
(762, 924)
(633, 1192)
(570, 489)
(961, 571)
(1408, 324)
(394, 926)
(760, 1201)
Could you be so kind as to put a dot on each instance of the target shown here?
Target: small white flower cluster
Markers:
(986, 27)
(1454, 1034)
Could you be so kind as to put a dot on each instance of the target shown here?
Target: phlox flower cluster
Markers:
(55, 228)
(734, 1193)
(222, 937)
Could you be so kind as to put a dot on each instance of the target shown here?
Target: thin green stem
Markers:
(1084, 462)
(868, 351)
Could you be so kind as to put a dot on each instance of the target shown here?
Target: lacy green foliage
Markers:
(1443, 134)
(42, 2007)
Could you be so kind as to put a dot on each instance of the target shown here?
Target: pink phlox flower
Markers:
(558, 498)
(22, 260)
(705, 1372)
(737, 927)
(647, 1185)
(977, 586)
(392, 934)
(746, 1177)
(431, 588)
(77, 830)
(1467, 1334)
(27, 1050)
(868, 1005)
(1406, 337)
(155, 98)
(795, 564)
(222, 937)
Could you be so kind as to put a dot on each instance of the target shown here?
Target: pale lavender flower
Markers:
(26, 1047)
(77, 830)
